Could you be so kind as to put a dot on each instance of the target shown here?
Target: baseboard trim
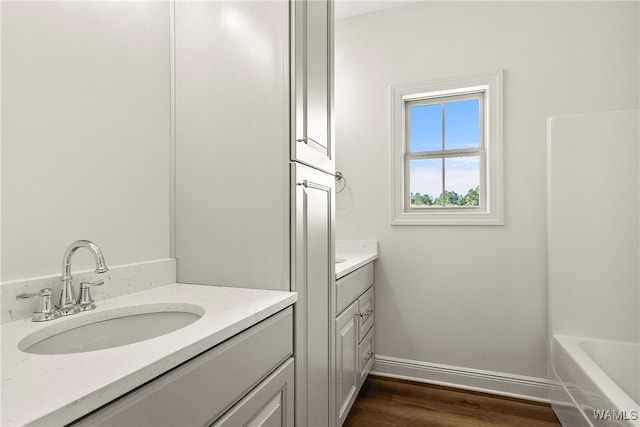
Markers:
(521, 387)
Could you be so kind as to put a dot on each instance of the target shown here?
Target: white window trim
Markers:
(493, 211)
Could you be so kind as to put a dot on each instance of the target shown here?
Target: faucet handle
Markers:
(46, 310)
(85, 301)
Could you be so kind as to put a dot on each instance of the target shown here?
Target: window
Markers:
(446, 152)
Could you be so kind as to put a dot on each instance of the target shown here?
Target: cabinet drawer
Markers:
(366, 350)
(366, 312)
(202, 389)
(351, 286)
(269, 404)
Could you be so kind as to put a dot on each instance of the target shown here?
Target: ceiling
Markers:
(346, 8)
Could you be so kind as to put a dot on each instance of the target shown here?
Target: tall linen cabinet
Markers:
(313, 211)
(254, 164)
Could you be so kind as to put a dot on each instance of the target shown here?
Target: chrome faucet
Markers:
(68, 304)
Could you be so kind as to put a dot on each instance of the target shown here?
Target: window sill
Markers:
(448, 217)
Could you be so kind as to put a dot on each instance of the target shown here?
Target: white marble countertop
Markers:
(353, 254)
(57, 389)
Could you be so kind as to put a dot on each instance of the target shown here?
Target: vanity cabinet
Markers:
(354, 337)
(248, 379)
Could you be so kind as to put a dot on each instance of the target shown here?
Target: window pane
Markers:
(425, 127)
(462, 181)
(462, 124)
(425, 181)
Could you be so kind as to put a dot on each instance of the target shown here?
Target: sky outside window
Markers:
(426, 177)
(462, 174)
(462, 124)
(425, 129)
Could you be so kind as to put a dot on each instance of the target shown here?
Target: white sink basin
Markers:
(112, 328)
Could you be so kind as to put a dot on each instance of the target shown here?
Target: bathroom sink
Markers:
(112, 328)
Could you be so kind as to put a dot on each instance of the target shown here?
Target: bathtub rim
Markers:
(607, 388)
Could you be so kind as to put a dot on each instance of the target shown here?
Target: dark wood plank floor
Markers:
(391, 402)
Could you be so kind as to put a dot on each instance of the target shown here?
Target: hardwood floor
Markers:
(391, 402)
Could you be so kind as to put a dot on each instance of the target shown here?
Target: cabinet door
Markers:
(270, 404)
(347, 368)
(313, 52)
(314, 280)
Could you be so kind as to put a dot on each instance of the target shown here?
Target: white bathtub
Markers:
(595, 382)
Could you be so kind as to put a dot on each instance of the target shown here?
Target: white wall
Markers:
(232, 143)
(594, 287)
(472, 297)
(85, 133)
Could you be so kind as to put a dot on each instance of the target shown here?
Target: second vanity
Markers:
(354, 322)
(206, 372)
